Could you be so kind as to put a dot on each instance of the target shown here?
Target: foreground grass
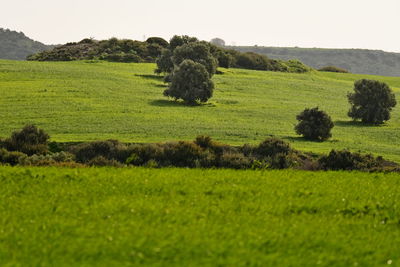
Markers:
(83, 101)
(182, 217)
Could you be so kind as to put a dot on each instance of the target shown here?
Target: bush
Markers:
(296, 66)
(190, 82)
(333, 69)
(11, 157)
(157, 40)
(142, 154)
(235, 160)
(346, 160)
(314, 124)
(372, 101)
(271, 147)
(48, 160)
(101, 161)
(30, 140)
(109, 149)
(183, 154)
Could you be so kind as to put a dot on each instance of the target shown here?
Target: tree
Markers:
(164, 62)
(177, 41)
(218, 42)
(371, 101)
(198, 52)
(157, 40)
(190, 82)
(314, 124)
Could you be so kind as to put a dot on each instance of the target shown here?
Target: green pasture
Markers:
(192, 217)
(86, 100)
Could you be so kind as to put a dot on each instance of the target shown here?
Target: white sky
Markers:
(371, 24)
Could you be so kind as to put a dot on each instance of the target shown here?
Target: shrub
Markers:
(101, 161)
(271, 147)
(87, 151)
(142, 154)
(314, 124)
(183, 154)
(30, 140)
(11, 157)
(346, 160)
(296, 66)
(333, 69)
(157, 40)
(371, 101)
(235, 160)
(204, 141)
(190, 82)
(48, 160)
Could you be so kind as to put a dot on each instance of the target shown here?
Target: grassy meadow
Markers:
(192, 217)
(86, 100)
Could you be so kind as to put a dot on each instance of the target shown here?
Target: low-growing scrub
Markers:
(203, 152)
(333, 69)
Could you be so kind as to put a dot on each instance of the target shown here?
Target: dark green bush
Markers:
(143, 153)
(190, 82)
(346, 160)
(271, 147)
(30, 140)
(372, 101)
(109, 149)
(234, 160)
(314, 124)
(183, 154)
(11, 157)
(333, 69)
(157, 40)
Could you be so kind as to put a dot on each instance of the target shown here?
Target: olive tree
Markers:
(371, 101)
(191, 82)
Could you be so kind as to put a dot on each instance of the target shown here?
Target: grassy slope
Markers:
(121, 217)
(80, 101)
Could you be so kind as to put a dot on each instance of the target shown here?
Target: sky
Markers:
(369, 24)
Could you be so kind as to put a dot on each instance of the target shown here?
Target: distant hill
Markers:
(359, 61)
(15, 45)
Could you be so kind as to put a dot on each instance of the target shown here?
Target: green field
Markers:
(183, 217)
(82, 101)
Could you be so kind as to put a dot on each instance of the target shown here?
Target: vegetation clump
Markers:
(346, 160)
(314, 124)
(372, 101)
(29, 140)
(190, 82)
(111, 50)
(203, 152)
(333, 69)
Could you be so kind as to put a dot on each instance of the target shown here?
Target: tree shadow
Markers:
(355, 124)
(304, 140)
(176, 103)
(151, 77)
